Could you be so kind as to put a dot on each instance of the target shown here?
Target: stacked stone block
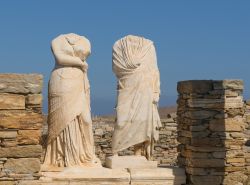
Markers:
(210, 131)
(20, 126)
(103, 129)
(165, 150)
(247, 136)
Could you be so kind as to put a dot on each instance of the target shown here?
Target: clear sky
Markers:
(193, 39)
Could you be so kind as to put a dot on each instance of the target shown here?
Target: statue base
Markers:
(89, 175)
(158, 176)
(104, 176)
(122, 162)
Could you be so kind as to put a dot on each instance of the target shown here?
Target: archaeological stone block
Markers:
(206, 180)
(34, 100)
(22, 165)
(20, 120)
(21, 151)
(29, 137)
(228, 84)
(194, 86)
(11, 101)
(8, 134)
(21, 83)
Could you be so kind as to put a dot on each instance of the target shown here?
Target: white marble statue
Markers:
(135, 66)
(70, 137)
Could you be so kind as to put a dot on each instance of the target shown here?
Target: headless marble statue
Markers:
(70, 138)
(135, 66)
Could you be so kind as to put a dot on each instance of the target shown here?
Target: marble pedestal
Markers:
(104, 176)
(86, 176)
(125, 162)
(158, 176)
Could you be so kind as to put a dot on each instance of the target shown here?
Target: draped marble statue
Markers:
(135, 66)
(70, 138)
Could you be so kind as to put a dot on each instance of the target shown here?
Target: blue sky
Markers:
(194, 39)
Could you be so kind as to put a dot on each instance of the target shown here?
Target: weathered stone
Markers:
(34, 99)
(206, 180)
(206, 163)
(247, 155)
(88, 176)
(236, 102)
(237, 135)
(235, 177)
(219, 155)
(7, 183)
(247, 118)
(167, 120)
(8, 134)
(206, 171)
(185, 133)
(225, 92)
(20, 120)
(206, 149)
(187, 121)
(248, 160)
(165, 132)
(233, 147)
(31, 137)
(183, 140)
(124, 162)
(196, 128)
(169, 128)
(206, 142)
(21, 151)
(234, 168)
(200, 114)
(8, 143)
(21, 83)
(206, 103)
(235, 160)
(235, 112)
(23, 165)
(197, 171)
(194, 86)
(234, 142)
(194, 134)
(228, 84)
(12, 101)
(195, 155)
(21, 177)
(221, 115)
(158, 176)
(230, 124)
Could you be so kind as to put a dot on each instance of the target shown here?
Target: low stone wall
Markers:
(210, 130)
(247, 137)
(165, 149)
(21, 122)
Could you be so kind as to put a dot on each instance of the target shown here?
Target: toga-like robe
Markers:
(135, 66)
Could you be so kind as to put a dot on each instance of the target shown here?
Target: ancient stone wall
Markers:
(21, 122)
(247, 137)
(210, 130)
